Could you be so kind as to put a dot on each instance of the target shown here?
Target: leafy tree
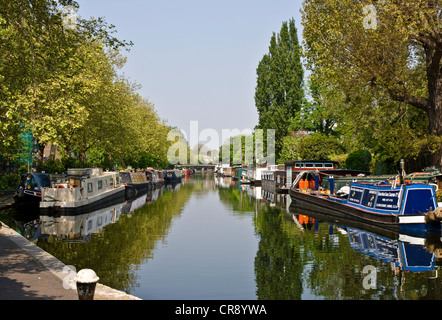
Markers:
(359, 160)
(391, 53)
(279, 91)
(318, 114)
(45, 69)
(319, 146)
(290, 148)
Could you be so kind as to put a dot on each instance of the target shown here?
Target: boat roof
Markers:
(313, 160)
(388, 186)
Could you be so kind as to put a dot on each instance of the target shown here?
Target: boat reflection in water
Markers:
(79, 227)
(404, 252)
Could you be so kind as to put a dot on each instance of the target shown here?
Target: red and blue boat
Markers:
(391, 205)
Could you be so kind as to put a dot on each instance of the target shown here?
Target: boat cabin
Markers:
(83, 187)
(401, 200)
(311, 165)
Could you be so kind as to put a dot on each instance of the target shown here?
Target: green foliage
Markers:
(314, 146)
(319, 146)
(383, 166)
(388, 76)
(290, 149)
(51, 166)
(9, 181)
(439, 196)
(61, 85)
(359, 160)
(279, 91)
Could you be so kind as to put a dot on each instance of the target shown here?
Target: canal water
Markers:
(209, 238)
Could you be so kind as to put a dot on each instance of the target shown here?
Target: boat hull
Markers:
(98, 202)
(337, 209)
(27, 198)
(136, 190)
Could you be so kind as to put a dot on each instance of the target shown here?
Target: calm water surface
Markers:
(210, 238)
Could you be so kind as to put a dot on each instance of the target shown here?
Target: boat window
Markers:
(30, 183)
(329, 165)
(297, 165)
(99, 221)
(309, 165)
(100, 184)
(89, 187)
(319, 165)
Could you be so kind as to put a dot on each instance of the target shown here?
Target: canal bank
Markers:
(29, 273)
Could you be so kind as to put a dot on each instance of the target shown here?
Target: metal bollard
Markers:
(86, 280)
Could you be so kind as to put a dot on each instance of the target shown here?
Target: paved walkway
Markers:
(29, 273)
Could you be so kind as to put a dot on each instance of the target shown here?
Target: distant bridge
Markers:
(196, 167)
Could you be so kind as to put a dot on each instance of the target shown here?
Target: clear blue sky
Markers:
(196, 60)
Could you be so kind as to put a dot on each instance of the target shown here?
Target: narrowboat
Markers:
(172, 175)
(227, 172)
(237, 172)
(84, 190)
(154, 177)
(387, 204)
(295, 168)
(136, 183)
(29, 190)
(273, 178)
(255, 175)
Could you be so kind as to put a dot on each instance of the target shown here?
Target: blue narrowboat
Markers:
(172, 175)
(29, 190)
(393, 206)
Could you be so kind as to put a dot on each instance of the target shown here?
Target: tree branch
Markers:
(417, 102)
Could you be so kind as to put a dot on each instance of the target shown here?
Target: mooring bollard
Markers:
(86, 280)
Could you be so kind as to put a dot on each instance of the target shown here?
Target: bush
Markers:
(359, 160)
(51, 166)
(9, 181)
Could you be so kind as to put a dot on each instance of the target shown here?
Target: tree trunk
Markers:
(83, 156)
(40, 154)
(434, 76)
(435, 126)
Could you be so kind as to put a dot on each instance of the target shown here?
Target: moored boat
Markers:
(29, 190)
(136, 183)
(155, 177)
(172, 175)
(393, 206)
(84, 190)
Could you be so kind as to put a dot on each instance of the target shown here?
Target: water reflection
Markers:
(407, 266)
(247, 242)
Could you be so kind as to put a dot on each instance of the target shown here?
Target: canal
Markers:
(209, 238)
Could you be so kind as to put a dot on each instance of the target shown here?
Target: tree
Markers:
(319, 146)
(359, 160)
(44, 69)
(391, 51)
(279, 91)
(318, 115)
